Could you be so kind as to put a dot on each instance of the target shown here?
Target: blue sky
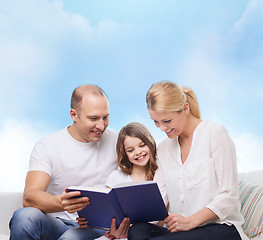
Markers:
(47, 48)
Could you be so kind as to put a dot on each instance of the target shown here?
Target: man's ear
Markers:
(73, 114)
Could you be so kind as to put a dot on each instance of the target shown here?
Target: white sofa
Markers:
(9, 202)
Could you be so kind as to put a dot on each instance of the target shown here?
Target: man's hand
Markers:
(121, 232)
(72, 203)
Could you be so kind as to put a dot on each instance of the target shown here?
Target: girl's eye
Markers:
(129, 151)
(142, 145)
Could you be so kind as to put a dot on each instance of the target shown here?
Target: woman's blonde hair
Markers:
(167, 96)
(138, 130)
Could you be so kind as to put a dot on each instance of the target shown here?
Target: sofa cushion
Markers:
(251, 199)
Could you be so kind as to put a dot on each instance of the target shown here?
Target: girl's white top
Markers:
(117, 177)
(208, 178)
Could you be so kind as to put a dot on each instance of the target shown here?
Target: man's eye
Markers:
(167, 121)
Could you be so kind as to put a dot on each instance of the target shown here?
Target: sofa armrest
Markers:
(9, 203)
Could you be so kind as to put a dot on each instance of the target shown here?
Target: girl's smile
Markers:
(137, 151)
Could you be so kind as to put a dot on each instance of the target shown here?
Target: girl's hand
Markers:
(121, 232)
(82, 222)
(109, 235)
(177, 222)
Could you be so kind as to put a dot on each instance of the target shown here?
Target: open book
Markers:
(140, 201)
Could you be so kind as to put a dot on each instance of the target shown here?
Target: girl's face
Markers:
(137, 151)
(172, 123)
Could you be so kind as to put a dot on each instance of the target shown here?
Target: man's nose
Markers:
(100, 125)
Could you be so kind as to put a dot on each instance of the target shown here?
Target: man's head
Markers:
(89, 112)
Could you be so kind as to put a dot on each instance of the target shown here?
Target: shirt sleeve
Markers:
(39, 159)
(159, 179)
(224, 159)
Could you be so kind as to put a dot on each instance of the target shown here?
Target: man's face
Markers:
(92, 119)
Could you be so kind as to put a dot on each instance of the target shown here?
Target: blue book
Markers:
(140, 201)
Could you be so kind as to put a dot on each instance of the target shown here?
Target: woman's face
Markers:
(172, 123)
(137, 151)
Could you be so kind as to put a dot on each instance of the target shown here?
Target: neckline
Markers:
(81, 144)
(192, 143)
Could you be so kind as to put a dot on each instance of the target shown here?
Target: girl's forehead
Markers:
(132, 140)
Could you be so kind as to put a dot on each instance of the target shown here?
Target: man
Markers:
(82, 154)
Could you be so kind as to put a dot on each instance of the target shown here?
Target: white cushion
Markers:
(254, 177)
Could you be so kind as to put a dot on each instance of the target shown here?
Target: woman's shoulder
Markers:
(167, 142)
(214, 130)
(212, 126)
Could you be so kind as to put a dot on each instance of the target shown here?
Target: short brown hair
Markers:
(79, 92)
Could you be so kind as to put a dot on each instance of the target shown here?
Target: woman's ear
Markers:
(187, 107)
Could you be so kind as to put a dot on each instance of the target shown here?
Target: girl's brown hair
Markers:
(138, 130)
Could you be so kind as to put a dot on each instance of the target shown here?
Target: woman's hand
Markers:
(82, 222)
(177, 222)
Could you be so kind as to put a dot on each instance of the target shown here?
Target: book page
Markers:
(93, 189)
(127, 184)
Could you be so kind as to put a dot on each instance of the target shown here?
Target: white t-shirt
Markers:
(70, 162)
(118, 177)
(208, 177)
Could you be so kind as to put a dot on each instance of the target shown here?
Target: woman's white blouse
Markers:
(208, 178)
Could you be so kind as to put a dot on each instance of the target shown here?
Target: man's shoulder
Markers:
(110, 134)
(55, 136)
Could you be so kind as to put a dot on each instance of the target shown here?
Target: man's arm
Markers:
(35, 194)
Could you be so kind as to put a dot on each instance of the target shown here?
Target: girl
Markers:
(136, 150)
(198, 171)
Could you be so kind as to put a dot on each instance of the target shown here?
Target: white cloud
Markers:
(245, 36)
(249, 152)
(251, 17)
(38, 41)
(16, 142)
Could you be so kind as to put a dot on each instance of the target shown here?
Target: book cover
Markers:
(141, 202)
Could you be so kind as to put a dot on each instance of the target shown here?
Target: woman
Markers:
(197, 166)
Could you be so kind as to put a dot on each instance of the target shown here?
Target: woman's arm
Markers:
(177, 222)
(223, 156)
